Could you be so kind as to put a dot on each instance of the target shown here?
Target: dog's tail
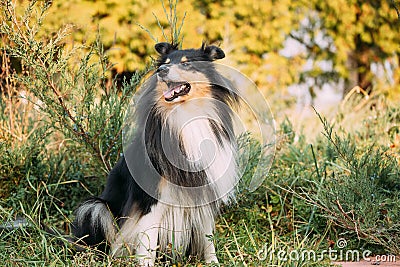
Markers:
(94, 224)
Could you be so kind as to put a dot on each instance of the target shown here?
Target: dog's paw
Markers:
(211, 259)
(145, 262)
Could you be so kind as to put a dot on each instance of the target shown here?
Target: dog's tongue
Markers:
(175, 90)
(169, 93)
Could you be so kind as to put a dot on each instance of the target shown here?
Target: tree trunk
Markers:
(359, 66)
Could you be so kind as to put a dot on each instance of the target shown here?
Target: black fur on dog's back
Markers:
(98, 217)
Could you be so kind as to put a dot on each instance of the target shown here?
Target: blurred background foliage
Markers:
(344, 43)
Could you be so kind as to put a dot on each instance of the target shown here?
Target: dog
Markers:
(180, 166)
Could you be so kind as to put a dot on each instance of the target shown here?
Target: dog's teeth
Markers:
(174, 92)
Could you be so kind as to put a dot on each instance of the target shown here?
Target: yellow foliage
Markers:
(252, 32)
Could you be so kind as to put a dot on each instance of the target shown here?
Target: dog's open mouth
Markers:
(176, 89)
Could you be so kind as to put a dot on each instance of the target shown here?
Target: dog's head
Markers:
(185, 74)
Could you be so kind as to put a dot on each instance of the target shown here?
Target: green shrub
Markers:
(61, 118)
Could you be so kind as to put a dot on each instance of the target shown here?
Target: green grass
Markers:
(337, 187)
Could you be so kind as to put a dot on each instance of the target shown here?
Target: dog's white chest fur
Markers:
(203, 150)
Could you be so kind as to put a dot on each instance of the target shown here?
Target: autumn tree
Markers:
(335, 41)
(356, 36)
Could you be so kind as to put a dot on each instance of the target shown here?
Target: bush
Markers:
(343, 186)
(61, 117)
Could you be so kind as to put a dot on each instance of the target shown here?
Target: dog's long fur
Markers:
(168, 187)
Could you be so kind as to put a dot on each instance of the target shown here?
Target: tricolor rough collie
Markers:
(179, 167)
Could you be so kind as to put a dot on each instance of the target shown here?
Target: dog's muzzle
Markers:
(174, 89)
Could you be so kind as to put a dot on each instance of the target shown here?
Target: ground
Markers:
(371, 263)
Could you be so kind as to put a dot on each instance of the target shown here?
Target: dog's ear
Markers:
(165, 48)
(214, 52)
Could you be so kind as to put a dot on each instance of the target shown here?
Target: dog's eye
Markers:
(185, 64)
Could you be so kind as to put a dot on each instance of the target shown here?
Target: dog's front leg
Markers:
(147, 228)
(209, 253)
(140, 236)
(209, 250)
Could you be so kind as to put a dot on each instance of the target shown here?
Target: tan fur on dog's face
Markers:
(184, 75)
(183, 72)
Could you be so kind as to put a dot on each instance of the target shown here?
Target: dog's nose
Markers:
(163, 70)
